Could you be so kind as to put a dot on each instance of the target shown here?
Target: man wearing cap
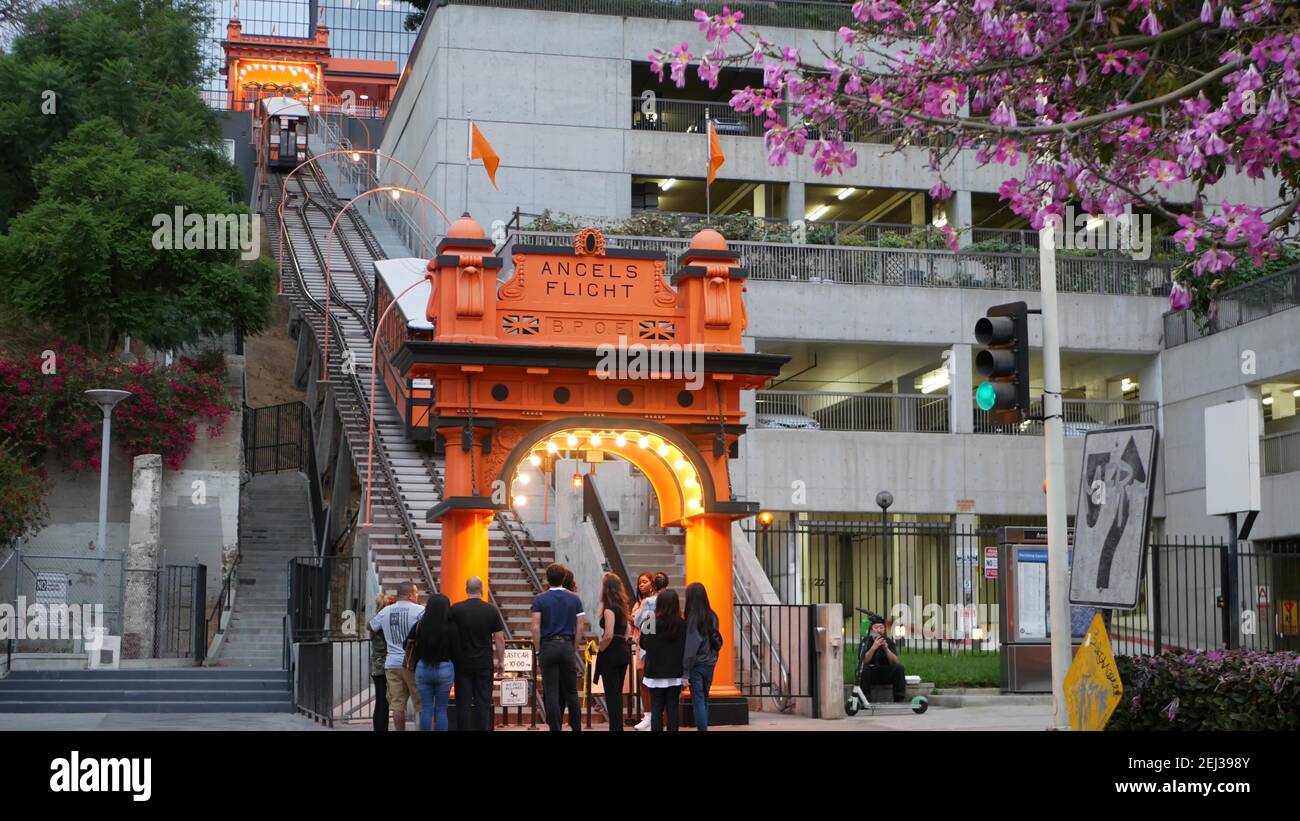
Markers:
(881, 662)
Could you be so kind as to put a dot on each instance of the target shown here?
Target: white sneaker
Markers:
(643, 724)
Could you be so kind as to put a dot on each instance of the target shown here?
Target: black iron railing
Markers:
(780, 662)
(1237, 306)
(280, 438)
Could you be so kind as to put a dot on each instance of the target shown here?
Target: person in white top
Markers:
(395, 622)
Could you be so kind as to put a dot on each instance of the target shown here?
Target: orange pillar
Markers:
(708, 561)
(464, 551)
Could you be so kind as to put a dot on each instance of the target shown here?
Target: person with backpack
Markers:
(664, 640)
(700, 655)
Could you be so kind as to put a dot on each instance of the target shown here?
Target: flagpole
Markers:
(469, 149)
(708, 188)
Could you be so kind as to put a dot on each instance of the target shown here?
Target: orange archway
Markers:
(547, 361)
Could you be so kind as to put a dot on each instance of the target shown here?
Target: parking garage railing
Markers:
(1081, 416)
(838, 411)
(842, 265)
(1280, 452)
(803, 14)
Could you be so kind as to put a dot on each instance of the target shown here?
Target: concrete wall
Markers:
(552, 92)
(944, 316)
(190, 531)
(927, 473)
(1211, 371)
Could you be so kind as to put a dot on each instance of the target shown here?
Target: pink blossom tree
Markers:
(1109, 104)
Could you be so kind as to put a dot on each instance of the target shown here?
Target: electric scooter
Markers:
(858, 698)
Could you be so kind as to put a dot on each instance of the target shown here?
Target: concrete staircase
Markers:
(174, 690)
(275, 525)
(652, 553)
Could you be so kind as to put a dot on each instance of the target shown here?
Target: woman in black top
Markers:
(614, 657)
(664, 647)
(437, 642)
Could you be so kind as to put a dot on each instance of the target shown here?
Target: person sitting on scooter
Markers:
(880, 664)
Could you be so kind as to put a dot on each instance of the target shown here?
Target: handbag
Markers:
(715, 641)
(412, 639)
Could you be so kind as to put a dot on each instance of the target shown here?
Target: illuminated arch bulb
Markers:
(663, 451)
(680, 464)
(595, 440)
(572, 440)
(620, 440)
(521, 500)
(693, 504)
(643, 442)
(522, 479)
(551, 447)
(535, 460)
(690, 481)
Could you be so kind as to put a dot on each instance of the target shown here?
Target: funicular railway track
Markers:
(407, 476)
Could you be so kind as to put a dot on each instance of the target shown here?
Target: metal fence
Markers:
(873, 565)
(691, 116)
(818, 16)
(280, 438)
(332, 680)
(846, 265)
(1280, 452)
(774, 653)
(1237, 306)
(1081, 416)
(327, 597)
(827, 410)
(80, 592)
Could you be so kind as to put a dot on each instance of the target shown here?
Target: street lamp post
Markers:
(884, 499)
(107, 399)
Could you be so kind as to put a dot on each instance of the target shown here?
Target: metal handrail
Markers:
(331, 325)
(593, 506)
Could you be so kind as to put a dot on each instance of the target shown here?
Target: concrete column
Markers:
(958, 210)
(1283, 403)
(905, 410)
(760, 200)
(794, 202)
(918, 208)
(961, 402)
(341, 489)
(144, 543)
(325, 433)
(830, 660)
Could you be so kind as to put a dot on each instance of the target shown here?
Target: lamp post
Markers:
(884, 499)
(107, 399)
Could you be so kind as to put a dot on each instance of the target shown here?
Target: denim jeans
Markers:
(701, 679)
(434, 683)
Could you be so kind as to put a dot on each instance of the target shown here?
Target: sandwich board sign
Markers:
(1113, 516)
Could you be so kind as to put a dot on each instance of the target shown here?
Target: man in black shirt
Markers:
(881, 663)
(558, 628)
(483, 649)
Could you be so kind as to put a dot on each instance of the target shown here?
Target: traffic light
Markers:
(1004, 331)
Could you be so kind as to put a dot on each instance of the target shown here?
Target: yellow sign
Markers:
(1290, 617)
(1092, 687)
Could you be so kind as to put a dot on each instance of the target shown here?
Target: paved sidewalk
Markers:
(995, 717)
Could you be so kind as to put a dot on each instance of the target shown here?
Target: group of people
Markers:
(419, 652)
(671, 647)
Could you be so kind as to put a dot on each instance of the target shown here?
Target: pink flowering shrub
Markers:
(44, 411)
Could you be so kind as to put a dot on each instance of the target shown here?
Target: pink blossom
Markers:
(1180, 299)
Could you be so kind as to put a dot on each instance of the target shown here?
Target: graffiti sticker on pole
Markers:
(1113, 516)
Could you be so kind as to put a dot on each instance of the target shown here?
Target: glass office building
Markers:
(362, 29)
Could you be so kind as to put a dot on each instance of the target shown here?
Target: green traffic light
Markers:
(986, 396)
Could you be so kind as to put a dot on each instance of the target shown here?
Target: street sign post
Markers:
(1113, 516)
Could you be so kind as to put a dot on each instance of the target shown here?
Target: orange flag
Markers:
(716, 157)
(481, 150)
